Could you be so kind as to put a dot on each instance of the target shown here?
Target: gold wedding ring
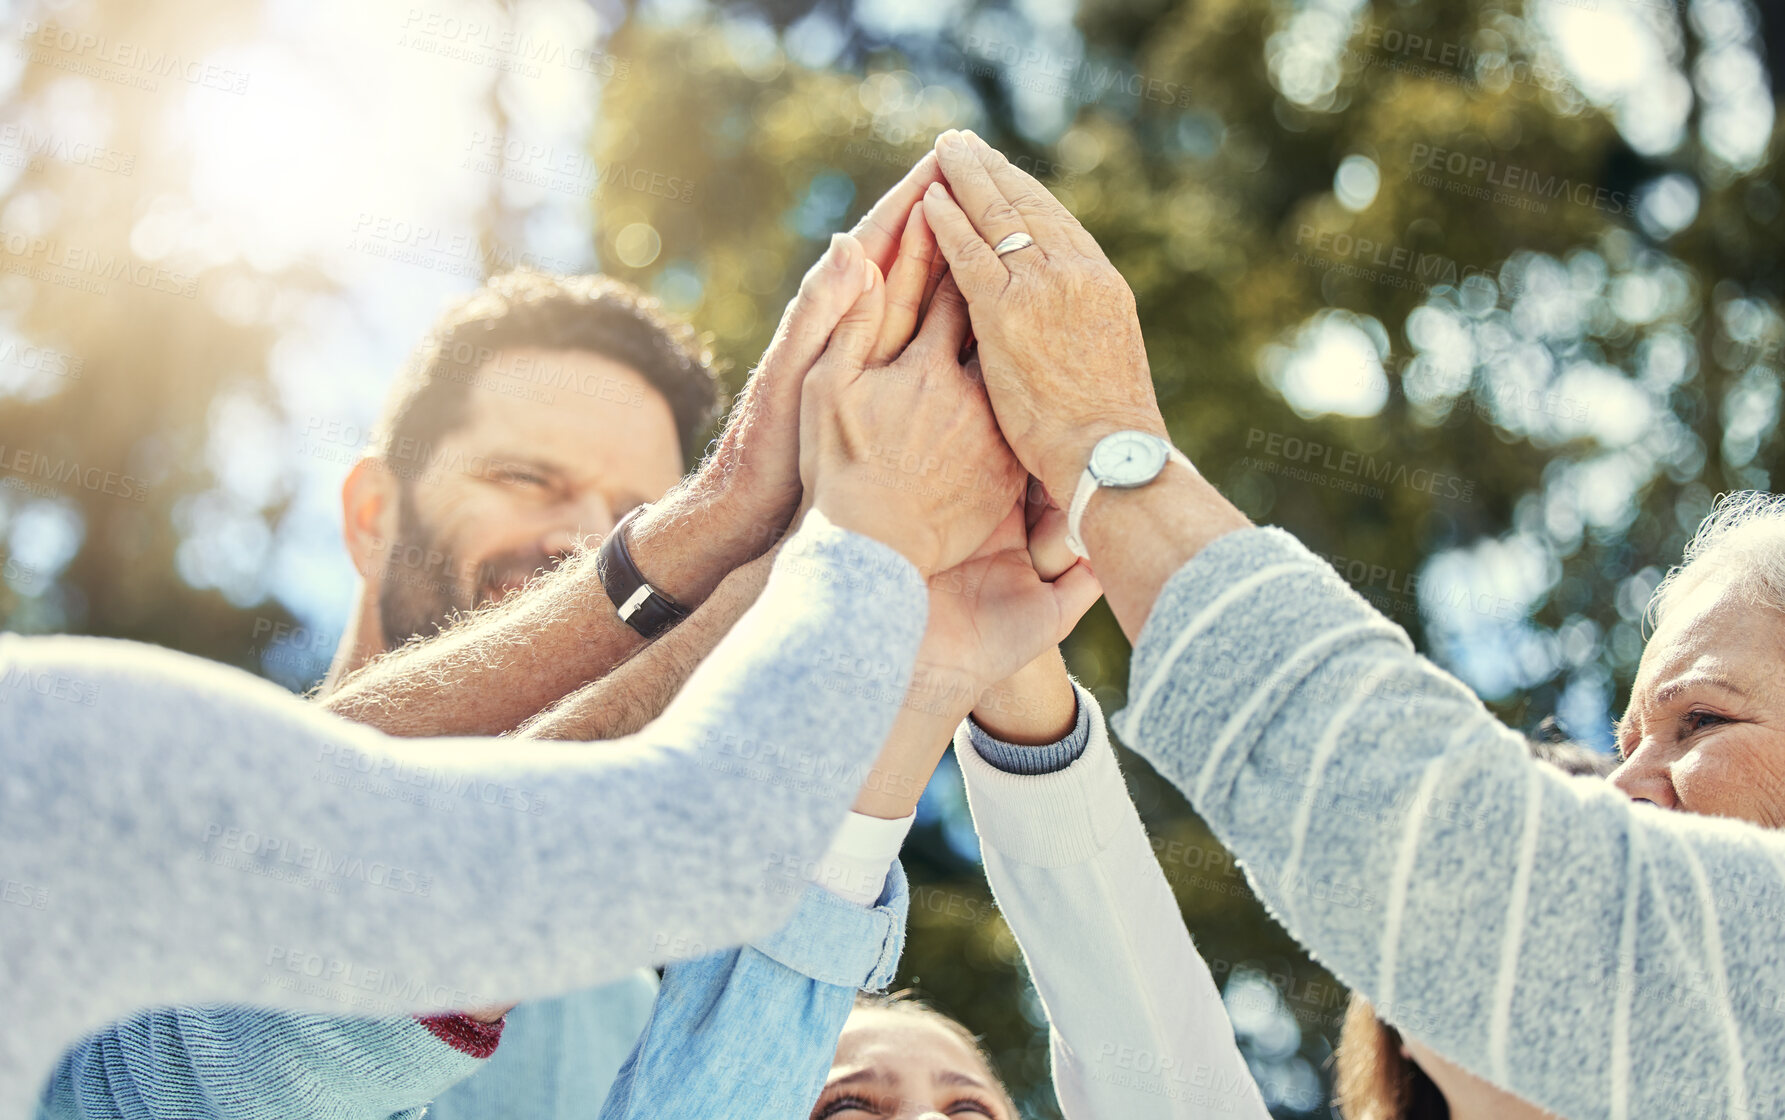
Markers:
(1011, 244)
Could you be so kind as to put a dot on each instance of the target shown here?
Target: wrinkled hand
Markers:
(752, 472)
(1059, 338)
(907, 452)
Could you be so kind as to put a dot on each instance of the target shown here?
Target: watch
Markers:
(1123, 460)
(641, 606)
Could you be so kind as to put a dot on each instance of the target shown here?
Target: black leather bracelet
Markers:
(641, 606)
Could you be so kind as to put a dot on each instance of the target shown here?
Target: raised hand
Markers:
(745, 491)
(994, 613)
(907, 452)
(990, 647)
(1058, 335)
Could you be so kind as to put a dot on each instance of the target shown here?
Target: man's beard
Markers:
(424, 586)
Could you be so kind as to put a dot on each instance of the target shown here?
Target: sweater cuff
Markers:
(835, 941)
(1015, 758)
(1057, 819)
(856, 864)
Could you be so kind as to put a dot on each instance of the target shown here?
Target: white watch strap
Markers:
(1075, 513)
(1088, 485)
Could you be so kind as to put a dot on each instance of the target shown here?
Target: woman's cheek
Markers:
(1723, 777)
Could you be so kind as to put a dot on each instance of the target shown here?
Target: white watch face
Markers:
(1124, 459)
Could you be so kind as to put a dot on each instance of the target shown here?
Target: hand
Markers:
(1059, 338)
(907, 452)
(756, 458)
(995, 612)
(988, 616)
(744, 492)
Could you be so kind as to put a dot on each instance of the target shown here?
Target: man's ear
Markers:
(369, 514)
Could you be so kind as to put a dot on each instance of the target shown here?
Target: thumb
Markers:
(1075, 592)
(854, 338)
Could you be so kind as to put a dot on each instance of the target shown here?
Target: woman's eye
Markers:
(840, 1107)
(1698, 721)
(971, 1108)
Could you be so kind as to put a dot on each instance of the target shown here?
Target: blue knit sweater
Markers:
(1597, 957)
(165, 836)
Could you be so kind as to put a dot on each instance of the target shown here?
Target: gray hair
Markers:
(1741, 544)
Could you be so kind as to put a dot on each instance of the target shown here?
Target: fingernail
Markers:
(952, 141)
(934, 190)
(868, 271)
(837, 256)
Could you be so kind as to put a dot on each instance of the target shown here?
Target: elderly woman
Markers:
(1537, 931)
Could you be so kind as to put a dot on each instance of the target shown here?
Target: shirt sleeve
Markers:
(750, 1033)
(233, 1063)
(1597, 957)
(188, 834)
(1136, 1024)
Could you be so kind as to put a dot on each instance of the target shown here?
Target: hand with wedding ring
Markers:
(1059, 337)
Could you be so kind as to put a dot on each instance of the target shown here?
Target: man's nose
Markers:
(1646, 776)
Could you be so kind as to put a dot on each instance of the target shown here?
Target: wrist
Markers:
(1064, 462)
(1034, 706)
(865, 510)
(688, 541)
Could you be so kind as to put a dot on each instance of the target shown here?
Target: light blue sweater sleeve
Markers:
(179, 831)
(235, 1063)
(1597, 957)
(750, 1033)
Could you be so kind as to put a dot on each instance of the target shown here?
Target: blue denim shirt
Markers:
(759, 1023)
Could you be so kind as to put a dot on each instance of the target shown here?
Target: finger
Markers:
(1075, 592)
(974, 190)
(854, 337)
(1048, 551)
(971, 262)
(1043, 215)
(905, 289)
(881, 228)
(828, 290)
(944, 329)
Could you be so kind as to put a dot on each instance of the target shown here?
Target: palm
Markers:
(992, 614)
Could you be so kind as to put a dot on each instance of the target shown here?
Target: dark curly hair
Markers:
(525, 308)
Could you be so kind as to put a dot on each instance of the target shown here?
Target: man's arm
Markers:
(639, 688)
(503, 665)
